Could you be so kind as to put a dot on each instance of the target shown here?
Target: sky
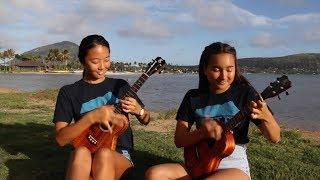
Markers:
(178, 31)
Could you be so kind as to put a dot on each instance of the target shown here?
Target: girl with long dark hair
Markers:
(222, 92)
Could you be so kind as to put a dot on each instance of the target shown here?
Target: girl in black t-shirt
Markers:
(90, 101)
(222, 92)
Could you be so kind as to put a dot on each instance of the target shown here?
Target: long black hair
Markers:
(213, 49)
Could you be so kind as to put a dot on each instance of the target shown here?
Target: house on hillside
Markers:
(29, 65)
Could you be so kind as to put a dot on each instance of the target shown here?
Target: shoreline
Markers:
(72, 72)
(8, 90)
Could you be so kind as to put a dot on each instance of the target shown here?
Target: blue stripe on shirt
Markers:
(108, 98)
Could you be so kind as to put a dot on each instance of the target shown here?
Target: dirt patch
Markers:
(311, 135)
(44, 98)
(19, 110)
(8, 90)
(158, 124)
(45, 103)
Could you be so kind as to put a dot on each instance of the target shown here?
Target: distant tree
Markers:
(64, 56)
(52, 58)
(7, 54)
(28, 57)
(1, 57)
(10, 55)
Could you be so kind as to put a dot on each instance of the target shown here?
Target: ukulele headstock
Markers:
(157, 65)
(277, 87)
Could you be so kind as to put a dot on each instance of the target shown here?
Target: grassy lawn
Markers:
(28, 149)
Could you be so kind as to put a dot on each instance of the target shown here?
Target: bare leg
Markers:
(79, 164)
(229, 174)
(167, 171)
(108, 164)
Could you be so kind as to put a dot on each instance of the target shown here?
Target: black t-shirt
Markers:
(196, 106)
(77, 99)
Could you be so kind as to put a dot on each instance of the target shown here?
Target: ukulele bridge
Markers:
(92, 139)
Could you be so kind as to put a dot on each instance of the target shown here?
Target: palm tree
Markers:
(52, 57)
(65, 56)
(5, 56)
(1, 56)
(11, 55)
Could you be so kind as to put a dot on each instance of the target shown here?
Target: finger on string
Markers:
(109, 127)
(125, 101)
(255, 111)
(253, 104)
(260, 97)
(253, 115)
(126, 110)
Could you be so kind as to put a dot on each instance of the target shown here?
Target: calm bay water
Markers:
(165, 91)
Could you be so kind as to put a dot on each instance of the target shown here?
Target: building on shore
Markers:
(29, 66)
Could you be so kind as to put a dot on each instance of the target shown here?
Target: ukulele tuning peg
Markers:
(279, 97)
(287, 93)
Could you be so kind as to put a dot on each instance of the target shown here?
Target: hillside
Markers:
(64, 45)
(305, 63)
(298, 63)
(308, 63)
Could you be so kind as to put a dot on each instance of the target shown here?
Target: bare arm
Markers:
(130, 105)
(145, 118)
(184, 137)
(65, 132)
(269, 126)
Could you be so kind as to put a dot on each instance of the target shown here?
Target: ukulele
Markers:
(203, 158)
(97, 136)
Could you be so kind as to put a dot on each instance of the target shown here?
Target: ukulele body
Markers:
(203, 158)
(96, 137)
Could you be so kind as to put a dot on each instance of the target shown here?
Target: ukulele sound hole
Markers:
(104, 127)
(211, 142)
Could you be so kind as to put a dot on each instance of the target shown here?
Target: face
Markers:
(97, 63)
(220, 72)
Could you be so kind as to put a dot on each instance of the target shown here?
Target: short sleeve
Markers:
(64, 109)
(185, 110)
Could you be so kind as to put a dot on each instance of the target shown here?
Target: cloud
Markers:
(300, 18)
(111, 9)
(35, 5)
(291, 2)
(7, 41)
(68, 24)
(266, 40)
(313, 35)
(147, 20)
(6, 15)
(147, 28)
(224, 15)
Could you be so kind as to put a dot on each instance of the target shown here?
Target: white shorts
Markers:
(238, 159)
(127, 155)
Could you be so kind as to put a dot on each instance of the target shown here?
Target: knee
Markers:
(103, 156)
(153, 173)
(81, 156)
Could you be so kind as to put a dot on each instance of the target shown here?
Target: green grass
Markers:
(28, 149)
